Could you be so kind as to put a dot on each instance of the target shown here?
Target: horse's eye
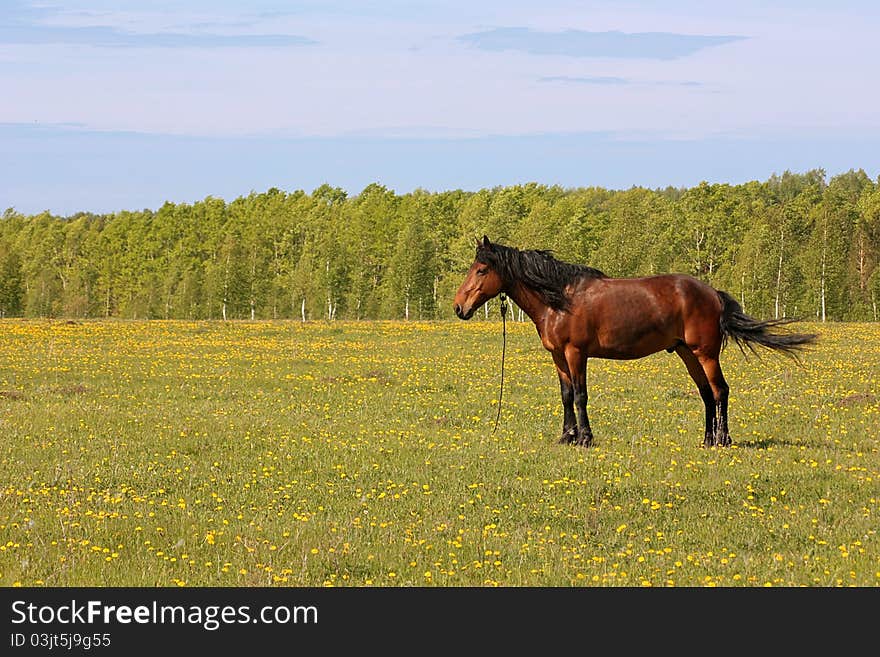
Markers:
(482, 272)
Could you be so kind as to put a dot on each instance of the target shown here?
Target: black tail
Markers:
(747, 331)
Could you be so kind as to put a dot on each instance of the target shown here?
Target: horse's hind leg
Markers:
(698, 374)
(577, 368)
(720, 393)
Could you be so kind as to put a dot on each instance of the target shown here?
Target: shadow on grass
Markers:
(767, 443)
(763, 443)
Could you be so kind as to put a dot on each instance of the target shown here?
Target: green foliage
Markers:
(794, 245)
(11, 291)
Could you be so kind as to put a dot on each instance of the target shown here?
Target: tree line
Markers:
(796, 244)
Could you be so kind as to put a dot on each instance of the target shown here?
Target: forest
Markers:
(796, 245)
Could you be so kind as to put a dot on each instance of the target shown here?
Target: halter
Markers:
(503, 298)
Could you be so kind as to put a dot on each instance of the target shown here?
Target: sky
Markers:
(123, 105)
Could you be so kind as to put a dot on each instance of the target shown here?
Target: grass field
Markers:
(276, 453)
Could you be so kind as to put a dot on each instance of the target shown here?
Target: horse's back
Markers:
(691, 302)
(667, 290)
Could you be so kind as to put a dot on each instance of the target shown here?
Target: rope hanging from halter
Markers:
(503, 349)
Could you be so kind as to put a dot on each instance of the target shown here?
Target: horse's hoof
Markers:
(584, 440)
(569, 436)
(709, 441)
(723, 441)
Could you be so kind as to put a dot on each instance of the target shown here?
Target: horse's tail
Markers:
(747, 331)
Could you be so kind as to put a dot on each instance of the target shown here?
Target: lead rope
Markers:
(503, 350)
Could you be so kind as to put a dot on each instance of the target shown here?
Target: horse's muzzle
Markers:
(459, 312)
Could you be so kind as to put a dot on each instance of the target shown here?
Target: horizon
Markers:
(354, 193)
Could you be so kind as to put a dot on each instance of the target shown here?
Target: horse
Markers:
(581, 313)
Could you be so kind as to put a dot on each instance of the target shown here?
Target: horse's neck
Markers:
(530, 302)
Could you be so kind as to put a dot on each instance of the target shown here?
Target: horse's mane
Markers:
(537, 269)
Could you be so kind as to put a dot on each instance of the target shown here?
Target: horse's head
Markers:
(481, 283)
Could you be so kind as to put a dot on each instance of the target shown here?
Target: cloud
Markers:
(606, 80)
(24, 24)
(585, 80)
(108, 37)
(578, 43)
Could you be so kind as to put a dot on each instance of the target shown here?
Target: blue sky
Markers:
(126, 104)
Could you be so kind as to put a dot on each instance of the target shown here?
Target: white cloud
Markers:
(379, 72)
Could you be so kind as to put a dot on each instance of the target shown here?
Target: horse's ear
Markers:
(486, 243)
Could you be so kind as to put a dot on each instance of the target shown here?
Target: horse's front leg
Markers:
(569, 419)
(577, 367)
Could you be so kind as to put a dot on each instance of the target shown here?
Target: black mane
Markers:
(538, 270)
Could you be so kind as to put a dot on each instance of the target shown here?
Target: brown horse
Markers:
(581, 313)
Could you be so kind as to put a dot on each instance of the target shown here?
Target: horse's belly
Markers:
(624, 354)
(628, 344)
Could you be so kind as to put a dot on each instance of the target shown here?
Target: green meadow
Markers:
(173, 453)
